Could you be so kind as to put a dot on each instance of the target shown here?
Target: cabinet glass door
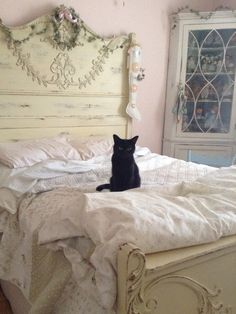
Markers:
(209, 81)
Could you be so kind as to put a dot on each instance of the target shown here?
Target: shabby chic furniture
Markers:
(200, 114)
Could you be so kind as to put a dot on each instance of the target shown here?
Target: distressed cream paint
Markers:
(149, 19)
(46, 89)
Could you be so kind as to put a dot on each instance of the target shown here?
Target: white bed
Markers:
(71, 250)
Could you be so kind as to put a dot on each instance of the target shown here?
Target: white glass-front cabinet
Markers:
(200, 118)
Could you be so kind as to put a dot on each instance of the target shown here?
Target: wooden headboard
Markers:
(57, 75)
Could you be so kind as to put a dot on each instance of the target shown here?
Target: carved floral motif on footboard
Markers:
(150, 291)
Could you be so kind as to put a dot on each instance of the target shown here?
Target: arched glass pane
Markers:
(209, 80)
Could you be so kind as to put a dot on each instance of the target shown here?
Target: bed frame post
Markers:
(131, 270)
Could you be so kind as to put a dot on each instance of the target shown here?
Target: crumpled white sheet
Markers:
(17, 181)
(46, 175)
(156, 170)
(154, 219)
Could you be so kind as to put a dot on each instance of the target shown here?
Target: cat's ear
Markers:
(134, 139)
(116, 138)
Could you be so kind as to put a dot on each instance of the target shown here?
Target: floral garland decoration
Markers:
(60, 14)
(18, 41)
(24, 59)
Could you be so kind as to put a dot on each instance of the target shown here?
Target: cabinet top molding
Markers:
(206, 17)
(187, 13)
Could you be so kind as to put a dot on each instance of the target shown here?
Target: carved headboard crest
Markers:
(64, 31)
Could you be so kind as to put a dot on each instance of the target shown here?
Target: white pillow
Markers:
(27, 153)
(90, 147)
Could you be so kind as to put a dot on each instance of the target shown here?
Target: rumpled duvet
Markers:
(154, 220)
(191, 204)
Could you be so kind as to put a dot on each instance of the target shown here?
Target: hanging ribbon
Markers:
(180, 105)
(135, 75)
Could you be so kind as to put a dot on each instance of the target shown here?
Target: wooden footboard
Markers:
(193, 280)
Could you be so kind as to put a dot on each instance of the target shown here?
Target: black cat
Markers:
(125, 172)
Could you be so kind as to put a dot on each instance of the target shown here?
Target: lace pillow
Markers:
(90, 147)
(27, 153)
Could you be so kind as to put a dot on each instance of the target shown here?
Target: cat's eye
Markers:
(120, 148)
(128, 149)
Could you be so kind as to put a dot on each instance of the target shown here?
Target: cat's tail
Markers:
(103, 186)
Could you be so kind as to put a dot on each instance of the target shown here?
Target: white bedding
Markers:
(179, 204)
(155, 220)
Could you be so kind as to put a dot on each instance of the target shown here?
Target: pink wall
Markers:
(149, 19)
(225, 3)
